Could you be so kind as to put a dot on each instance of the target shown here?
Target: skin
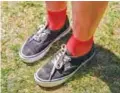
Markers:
(55, 5)
(86, 16)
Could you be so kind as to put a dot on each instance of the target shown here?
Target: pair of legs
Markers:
(85, 16)
(79, 49)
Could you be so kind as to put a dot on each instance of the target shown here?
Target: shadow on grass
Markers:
(105, 66)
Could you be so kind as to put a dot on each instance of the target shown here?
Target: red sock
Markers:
(77, 47)
(56, 19)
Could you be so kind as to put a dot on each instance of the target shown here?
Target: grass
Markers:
(21, 19)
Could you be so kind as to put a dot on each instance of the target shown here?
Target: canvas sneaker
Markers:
(37, 45)
(61, 67)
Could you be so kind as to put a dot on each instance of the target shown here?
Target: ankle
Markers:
(79, 48)
(56, 19)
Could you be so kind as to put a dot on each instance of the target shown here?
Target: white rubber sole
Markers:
(38, 56)
(59, 81)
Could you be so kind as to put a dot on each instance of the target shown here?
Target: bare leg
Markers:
(55, 5)
(86, 17)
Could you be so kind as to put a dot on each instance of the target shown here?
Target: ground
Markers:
(101, 75)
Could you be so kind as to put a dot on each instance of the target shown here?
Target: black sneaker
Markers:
(61, 67)
(39, 43)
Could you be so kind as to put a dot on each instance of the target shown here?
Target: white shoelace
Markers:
(41, 34)
(59, 59)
